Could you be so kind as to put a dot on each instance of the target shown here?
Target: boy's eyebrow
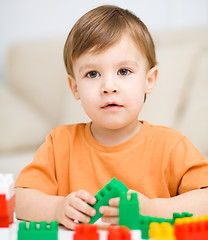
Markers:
(88, 65)
(128, 62)
(122, 63)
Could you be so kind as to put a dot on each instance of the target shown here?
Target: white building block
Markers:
(5, 233)
(7, 185)
(136, 235)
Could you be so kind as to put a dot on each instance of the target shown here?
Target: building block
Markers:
(161, 231)
(145, 221)
(5, 233)
(119, 233)
(4, 216)
(86, 232)
(6, 210)
(136, 234)
(181, 215)
(113, 189)
(129, 215)
(191, 228)
(7, 199)
(129, 211)
(40, 231)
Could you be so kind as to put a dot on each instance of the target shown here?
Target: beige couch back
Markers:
(37, 97)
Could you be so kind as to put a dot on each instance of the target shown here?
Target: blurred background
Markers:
(35, 97)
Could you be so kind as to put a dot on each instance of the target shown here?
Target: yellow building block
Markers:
(188, 220)
(161, 231)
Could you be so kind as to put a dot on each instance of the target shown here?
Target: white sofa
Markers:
(35, 96)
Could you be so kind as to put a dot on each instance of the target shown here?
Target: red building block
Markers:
(192, 231)
(4, 216)
(7, 200)
(119, 233)
(86, 232)
(6, 210)
(10, 209)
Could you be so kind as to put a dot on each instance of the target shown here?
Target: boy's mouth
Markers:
(111, 105)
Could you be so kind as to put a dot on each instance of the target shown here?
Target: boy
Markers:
(111, 63)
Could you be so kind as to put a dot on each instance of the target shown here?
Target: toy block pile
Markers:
(183, 226)
(41, 231)
(132, 225)
(7, 204)
(129, 215)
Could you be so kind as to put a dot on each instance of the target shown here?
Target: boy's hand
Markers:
(75, 207)
(111, 212)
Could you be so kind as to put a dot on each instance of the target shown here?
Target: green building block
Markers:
(129, 215)
(181, 215)
(129, 211)
(38, 231)
(113, 189)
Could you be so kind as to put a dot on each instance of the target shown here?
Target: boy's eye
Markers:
(124, 71)
(93, 74)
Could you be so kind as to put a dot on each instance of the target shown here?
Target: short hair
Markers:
(103, 26)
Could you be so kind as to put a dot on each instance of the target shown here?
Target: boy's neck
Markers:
(112, 137)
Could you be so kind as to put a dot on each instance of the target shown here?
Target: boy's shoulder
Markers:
(163, 132)
(68, 130)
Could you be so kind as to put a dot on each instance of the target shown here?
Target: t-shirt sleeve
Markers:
(40, 173)
(189, 167)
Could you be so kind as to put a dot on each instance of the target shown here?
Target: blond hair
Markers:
(103, 26)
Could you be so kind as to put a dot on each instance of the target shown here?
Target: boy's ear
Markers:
(73, 85)
(151, 79)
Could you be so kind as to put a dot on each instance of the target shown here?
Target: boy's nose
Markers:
(109, 88)
(109, 91)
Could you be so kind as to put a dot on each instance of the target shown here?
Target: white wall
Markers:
(22, 20)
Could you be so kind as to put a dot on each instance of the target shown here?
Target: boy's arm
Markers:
(33, 205)
(194, 201)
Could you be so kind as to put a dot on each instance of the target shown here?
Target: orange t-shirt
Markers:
(157, 161)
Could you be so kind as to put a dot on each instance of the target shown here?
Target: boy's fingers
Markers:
(82, 206)
(131, 191)
(76, 215)
(84, 195)
(114, 202)
(69, 223)
(109, 211)
(111, 220)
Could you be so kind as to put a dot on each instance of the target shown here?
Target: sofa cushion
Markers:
(36, 72)
(21, 127)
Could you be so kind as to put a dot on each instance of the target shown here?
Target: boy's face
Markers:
(111, 85)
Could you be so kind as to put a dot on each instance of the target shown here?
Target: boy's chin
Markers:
(112, 125)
